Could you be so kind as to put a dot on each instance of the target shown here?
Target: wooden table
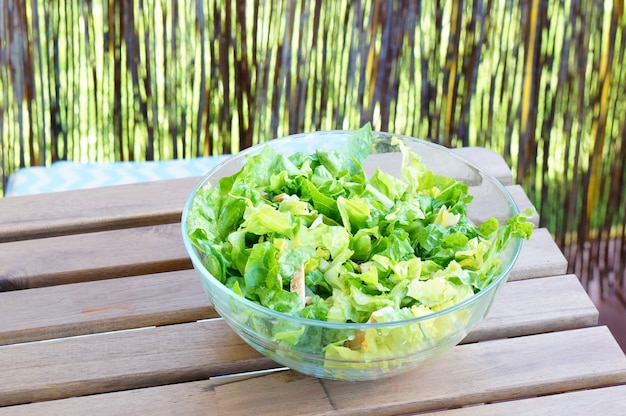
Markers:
(107, 317)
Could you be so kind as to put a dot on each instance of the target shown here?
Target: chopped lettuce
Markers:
(370, 249)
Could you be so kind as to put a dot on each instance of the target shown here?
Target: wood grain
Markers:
(522, 201)
(88, 210)
(205, 398)
(491, 371)
(608, 401)
(533, 306)
(487, 160)
(143, 250)
(123, 360)
(101, 306)
(142, 204)
(523, 307)
(539, 256)
(92, 256)
(134, 358)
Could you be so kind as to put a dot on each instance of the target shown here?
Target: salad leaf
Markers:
(367, 249)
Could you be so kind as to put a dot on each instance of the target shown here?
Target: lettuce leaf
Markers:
(375, 249)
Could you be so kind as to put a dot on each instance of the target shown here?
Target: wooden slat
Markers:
(88, 210)
(143, 250)
(101, 306)
(123, 360)
(540, 256)
(489, 161)
(522, 201)
(490, 371)
(523, 307)
(608, 401)
(142, 204)
(94, 256)
(533, 306)
(195, 398)
(70, 359)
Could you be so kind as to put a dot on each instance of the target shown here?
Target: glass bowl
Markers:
(306, 345)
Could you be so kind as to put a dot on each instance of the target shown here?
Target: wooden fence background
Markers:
(542, 82)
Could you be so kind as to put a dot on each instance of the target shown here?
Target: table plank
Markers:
(487, 160)
(194, 398)
(522, 201)
(490, 371)
(93, 256)
(540, 256)
(533, 306)
(123, 360)
(101, 306)
(93, 361)
(134, 205)
(523, 307)
(608, 401)
(154, 249)
(88, 210)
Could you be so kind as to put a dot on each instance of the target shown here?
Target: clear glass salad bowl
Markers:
(373, 349)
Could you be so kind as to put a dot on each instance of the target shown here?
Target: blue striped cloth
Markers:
(65, 176)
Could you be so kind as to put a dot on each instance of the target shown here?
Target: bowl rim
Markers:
(515, 244)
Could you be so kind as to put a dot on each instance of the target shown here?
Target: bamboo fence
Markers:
(541, 82)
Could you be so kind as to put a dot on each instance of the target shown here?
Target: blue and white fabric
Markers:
(65, 176)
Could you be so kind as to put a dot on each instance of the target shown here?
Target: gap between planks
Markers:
(494, 371)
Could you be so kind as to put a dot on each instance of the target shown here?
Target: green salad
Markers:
(311, 235)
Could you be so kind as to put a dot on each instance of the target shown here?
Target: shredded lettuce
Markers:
(371, 249)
